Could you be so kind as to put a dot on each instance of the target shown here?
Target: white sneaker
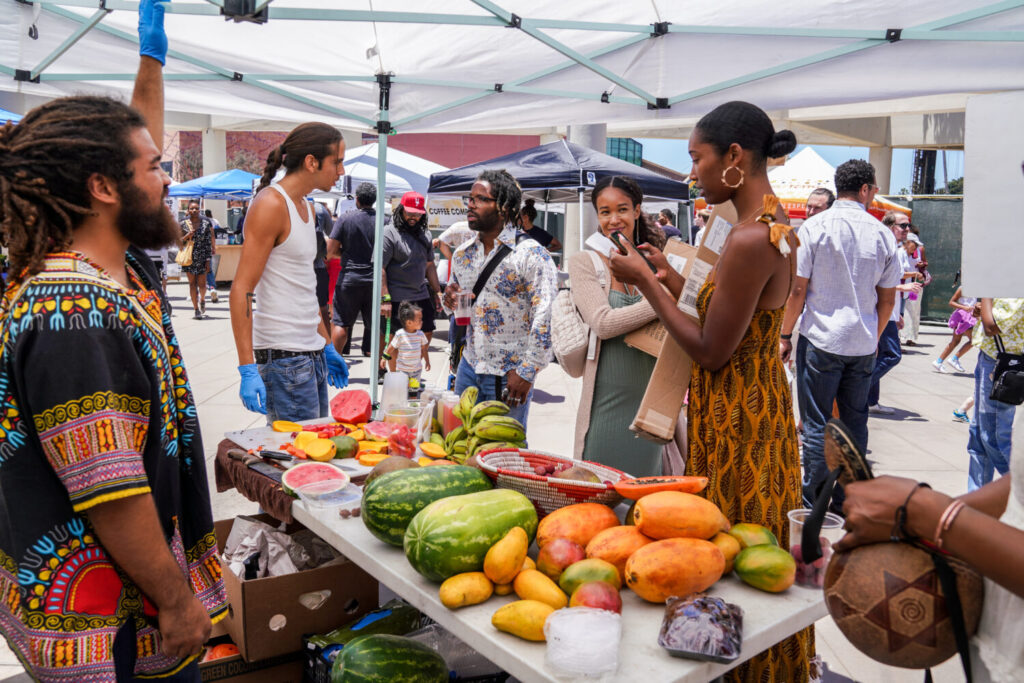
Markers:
(213, 296)
(937, 364)
(879, 409)
(956, 365)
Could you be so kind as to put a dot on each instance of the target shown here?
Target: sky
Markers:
(673, 154)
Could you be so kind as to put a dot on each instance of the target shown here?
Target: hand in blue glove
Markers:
(252, 392)
(152, 38)
(337, 368)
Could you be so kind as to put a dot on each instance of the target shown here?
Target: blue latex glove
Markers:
(252, 392)
(337, 368)
(152, 38)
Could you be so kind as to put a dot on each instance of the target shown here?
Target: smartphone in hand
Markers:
(623, 243)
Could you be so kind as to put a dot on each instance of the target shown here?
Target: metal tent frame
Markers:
(494, 16)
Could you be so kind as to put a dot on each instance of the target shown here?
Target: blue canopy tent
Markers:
(6, 116)
(232, 184)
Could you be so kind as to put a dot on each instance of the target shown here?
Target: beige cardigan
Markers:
(607, 322)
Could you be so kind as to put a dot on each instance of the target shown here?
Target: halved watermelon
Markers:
(313, 472)
(352, 406)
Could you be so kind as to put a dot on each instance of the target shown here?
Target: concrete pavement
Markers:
(920, 440)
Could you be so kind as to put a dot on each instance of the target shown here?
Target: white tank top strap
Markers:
(287, 315)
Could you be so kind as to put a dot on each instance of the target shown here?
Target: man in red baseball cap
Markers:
(408, 264)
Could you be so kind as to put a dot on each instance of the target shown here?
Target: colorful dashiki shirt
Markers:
(511, 324)
(96, 406)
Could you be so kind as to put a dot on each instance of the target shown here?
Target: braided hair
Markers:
(507, 194)
(46, 161)
(645, 229)
(308, 138)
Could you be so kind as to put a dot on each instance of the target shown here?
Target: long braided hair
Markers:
(46, 161)
(508, 196)
(308, 138)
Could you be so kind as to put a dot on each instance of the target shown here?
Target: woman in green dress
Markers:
(614, 381)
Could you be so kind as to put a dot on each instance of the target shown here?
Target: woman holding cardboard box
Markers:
(615, 380)
(742, 434)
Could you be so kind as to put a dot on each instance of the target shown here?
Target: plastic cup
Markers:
(812, 574)
(463, 308)
(404, 415)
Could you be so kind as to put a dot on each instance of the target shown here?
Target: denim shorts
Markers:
(296, 387)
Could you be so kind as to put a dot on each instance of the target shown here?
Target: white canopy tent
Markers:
(404, 172)
(525, 65)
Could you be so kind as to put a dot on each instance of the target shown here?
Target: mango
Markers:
(615, 545)
(674, 566)
(528, 563)
(674, 514)
(357, 434)
(767, 567)
(578, 523)
(302, 439)
(597, 594)
(374, 446)
(432, 449)
(468, 588)
(503, 589)
(729, 546)
(530, 584)
(321, 450)
(347, 447)
(523, 618)
(558, 554)
(752, 534)
(591, 569)
(285, 426)
(505, 558)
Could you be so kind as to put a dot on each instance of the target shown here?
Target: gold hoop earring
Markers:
(738, 182)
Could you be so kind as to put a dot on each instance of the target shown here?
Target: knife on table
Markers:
(255, 464)
(289, 460)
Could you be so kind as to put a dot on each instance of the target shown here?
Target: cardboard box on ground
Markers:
(659, 410)
(266, 617)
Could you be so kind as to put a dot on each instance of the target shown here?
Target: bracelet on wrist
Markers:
(946, 520)
(786, 337)
(899, 527)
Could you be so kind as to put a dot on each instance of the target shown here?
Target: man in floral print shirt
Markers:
(509, 337)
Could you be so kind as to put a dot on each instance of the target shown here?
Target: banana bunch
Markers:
(484, 424)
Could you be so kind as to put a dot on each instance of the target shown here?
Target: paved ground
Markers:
(920, 440)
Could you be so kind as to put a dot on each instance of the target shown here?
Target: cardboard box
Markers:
(283, 669)
(663, 400)
(265, 617)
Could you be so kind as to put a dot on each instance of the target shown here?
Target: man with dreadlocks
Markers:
(509, 337)
(108, 558)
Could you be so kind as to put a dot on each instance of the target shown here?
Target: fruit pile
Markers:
(485, 425)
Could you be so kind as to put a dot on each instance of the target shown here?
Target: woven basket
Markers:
(513, 469)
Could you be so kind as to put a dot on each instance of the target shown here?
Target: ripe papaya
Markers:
(578, 523)
(674, 566)
(616, 544)
(673, 514)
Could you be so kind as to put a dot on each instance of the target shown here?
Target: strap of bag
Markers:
(481, 280)
(602, 278)
(999, 344)
(947, 579)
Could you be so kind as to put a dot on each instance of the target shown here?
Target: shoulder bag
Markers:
(1008, 376)
(572, 340)
(458, 335)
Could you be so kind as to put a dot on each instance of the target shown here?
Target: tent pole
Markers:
(581, 219)
(378, 256)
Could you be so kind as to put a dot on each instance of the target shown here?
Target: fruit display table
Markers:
(768, 618)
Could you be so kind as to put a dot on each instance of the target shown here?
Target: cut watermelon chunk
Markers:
(352, 406)
(380, 431)
(314, 472)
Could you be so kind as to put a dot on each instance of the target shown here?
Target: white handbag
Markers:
(572, 340)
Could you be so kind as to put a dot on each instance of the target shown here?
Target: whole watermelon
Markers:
(452, 535)
(386, 659)
(391, 500)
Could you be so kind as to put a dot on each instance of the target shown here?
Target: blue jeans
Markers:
(824, 378)
(490, 387)
(211, 279)
(988, 441)
(296, 387)
(889, 355)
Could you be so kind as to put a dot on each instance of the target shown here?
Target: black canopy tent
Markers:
(559, 172)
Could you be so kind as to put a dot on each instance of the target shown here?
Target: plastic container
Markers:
(406, 414)
(583, 641)
(447, 406)
(395, 391)
(702, 627)
(326, 494)
(812, 575)
(463, 308)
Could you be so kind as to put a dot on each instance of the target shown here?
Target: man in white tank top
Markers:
(285, 357)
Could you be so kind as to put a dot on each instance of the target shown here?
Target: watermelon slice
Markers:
(305, 473)
(352, 406)
(379, 431)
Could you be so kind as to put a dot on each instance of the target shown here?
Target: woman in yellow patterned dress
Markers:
(742, 434)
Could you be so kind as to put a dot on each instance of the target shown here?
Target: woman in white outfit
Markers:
(987, 532)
